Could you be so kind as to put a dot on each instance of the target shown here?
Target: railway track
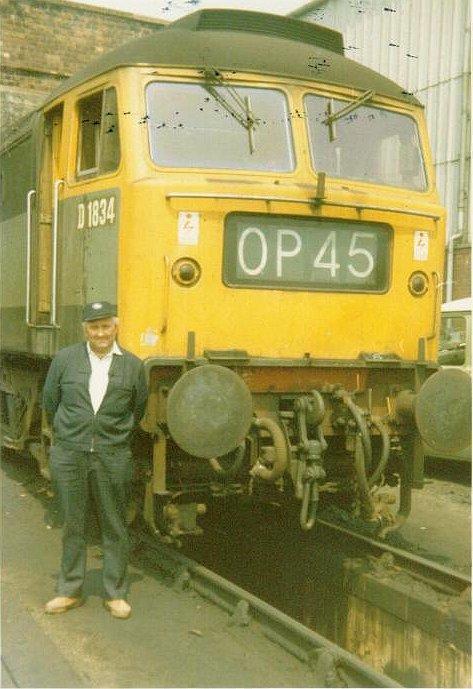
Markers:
(332, 665)
(438, 595)
(441, 578)
(407, 617)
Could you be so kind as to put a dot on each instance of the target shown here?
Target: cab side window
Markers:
(99, 143)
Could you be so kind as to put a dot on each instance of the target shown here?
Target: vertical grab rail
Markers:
(57, 184)
(166, 281)
(437, 287)
(29, 197)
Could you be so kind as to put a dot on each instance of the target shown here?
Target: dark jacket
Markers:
(66, 400)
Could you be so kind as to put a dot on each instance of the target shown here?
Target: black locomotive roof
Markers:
(245, 41)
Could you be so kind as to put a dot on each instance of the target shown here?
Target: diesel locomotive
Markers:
(263, 212)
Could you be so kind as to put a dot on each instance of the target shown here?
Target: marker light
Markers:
(186, 272)
(418, 284)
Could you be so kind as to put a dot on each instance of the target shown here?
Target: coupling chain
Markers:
(311, 470)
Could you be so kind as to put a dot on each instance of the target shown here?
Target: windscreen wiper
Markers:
(240, 109)
(332, 117)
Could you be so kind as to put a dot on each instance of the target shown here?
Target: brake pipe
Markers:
(405, 498)
(361, 458)
(385, 448)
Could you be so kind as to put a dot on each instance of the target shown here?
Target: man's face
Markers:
(101, 334)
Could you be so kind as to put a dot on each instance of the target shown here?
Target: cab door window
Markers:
(99, 143)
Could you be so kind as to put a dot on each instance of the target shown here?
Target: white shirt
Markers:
(98, 381)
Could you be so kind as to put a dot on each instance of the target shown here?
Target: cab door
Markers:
(43, 234)
(97, 211)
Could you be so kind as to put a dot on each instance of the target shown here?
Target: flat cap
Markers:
(98, 309)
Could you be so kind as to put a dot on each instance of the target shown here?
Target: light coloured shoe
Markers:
(62, 604)
(118, 608)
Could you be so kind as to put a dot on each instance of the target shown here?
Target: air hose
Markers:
(385, 447)
(361, 458)
(280, 451)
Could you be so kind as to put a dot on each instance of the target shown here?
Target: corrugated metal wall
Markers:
(424, 45)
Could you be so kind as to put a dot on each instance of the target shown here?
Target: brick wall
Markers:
(45, 42)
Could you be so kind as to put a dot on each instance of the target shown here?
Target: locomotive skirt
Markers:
(109, 473)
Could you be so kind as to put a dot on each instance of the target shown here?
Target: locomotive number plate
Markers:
(98, 210)
(287, 252)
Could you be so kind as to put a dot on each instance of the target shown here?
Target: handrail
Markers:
(369, 207)
(29, 196)
(437, 287)
(243, 197)
(315, 201)
(52, 322)
(166, 283)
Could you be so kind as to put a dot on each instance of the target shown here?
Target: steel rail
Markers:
(295, 637)
(8, 674)
(443, 578)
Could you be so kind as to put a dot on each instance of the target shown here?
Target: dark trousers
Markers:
(109, 473)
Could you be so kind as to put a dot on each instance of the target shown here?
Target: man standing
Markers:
(94, 396)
